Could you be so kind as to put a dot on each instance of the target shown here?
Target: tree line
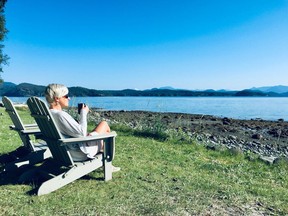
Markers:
(3, 31)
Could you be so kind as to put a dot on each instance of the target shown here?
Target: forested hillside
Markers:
(27, 89)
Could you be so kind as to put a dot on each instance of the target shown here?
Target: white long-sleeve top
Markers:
(69, 127)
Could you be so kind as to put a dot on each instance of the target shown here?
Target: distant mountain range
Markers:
(27, 89)
(277, 89)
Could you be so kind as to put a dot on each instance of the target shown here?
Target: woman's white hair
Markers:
(55, 90)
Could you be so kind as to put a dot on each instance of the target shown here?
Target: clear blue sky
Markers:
(141, 44)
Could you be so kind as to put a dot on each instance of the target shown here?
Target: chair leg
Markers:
(65, 178)
(107, 170)
(108, 155)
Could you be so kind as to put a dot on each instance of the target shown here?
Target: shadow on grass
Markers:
(11, 176)
(11, 156)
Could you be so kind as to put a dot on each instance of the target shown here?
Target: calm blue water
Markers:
(234, 107)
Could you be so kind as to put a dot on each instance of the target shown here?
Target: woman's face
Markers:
(64, 101)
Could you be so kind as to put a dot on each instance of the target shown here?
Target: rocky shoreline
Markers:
(268, 139)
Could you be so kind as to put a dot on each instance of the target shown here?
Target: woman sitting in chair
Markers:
(57, 97)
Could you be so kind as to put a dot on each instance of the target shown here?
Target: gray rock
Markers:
(268, 159)
(257, 136)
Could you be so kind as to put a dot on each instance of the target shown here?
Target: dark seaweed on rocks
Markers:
(265, 138)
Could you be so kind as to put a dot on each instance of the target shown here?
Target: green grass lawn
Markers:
(156, 178)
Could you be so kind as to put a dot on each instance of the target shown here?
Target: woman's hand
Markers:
(85, 107)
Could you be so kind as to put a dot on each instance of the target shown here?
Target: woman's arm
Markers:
(69, 126)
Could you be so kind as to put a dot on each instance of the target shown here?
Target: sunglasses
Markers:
(66, 96)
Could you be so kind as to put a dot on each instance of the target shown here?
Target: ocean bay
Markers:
(266, 108)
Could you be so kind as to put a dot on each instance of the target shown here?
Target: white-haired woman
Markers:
(57, 97)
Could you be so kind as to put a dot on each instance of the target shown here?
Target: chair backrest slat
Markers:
(10, 109)
(49, 130)
(17, 122)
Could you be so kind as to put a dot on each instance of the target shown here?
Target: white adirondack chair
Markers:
(37, 151)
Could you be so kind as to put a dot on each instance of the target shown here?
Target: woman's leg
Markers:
(102, 127)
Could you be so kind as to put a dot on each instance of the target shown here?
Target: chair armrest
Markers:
(30, 125)
(31, 131)
(68, 141)
(27, 126)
